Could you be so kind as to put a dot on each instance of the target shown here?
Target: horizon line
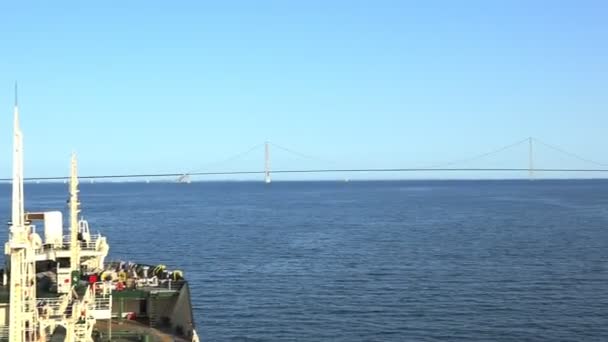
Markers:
(366, 170)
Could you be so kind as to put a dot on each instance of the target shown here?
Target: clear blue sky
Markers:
(151, 86)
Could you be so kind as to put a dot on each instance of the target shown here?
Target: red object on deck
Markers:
(120, 286)
(92, 279)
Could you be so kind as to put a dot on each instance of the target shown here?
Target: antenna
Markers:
(17, 205)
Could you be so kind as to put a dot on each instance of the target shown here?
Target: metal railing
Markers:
(52, 306)
(103, 303)
(169, 284)
(85, 246)
(65, 245)
(5, 332)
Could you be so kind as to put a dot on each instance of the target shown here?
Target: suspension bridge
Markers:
(532, 169)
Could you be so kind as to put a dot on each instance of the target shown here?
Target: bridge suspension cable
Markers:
(227, 160)
(300, 154)
(570, 154)
(480, 156)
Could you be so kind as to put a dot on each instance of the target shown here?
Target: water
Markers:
(368, 261)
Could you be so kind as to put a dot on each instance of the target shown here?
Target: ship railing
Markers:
(167, 284)
(47, 247)
(101, 293)
(86, 246)
(102, 303)
(5, 332)
(52, 306)
(170, 284)
(99, 298)
(103, 289)
(147, 282)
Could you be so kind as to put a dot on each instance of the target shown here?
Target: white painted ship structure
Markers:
(58, 287)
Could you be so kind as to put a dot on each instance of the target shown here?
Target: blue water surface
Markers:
(367, 261)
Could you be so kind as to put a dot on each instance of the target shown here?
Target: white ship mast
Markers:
(74, 243)
(21, 249)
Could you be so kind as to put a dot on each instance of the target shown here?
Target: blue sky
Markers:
(146, 86)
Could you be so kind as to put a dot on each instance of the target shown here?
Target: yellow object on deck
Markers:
(177, 275)
(158, 269)
(122, 276)
(108, 275)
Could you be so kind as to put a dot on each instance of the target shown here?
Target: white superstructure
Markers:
(60, 286)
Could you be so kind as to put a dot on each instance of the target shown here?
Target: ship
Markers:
(59, 287)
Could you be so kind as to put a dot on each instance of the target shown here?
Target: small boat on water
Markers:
(58, 287)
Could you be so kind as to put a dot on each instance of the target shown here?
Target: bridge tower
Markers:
(530, 159)
(267, 179)
(185, 178)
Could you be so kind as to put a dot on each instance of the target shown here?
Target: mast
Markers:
(74, 243)
(17, 205)
(21, 249)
